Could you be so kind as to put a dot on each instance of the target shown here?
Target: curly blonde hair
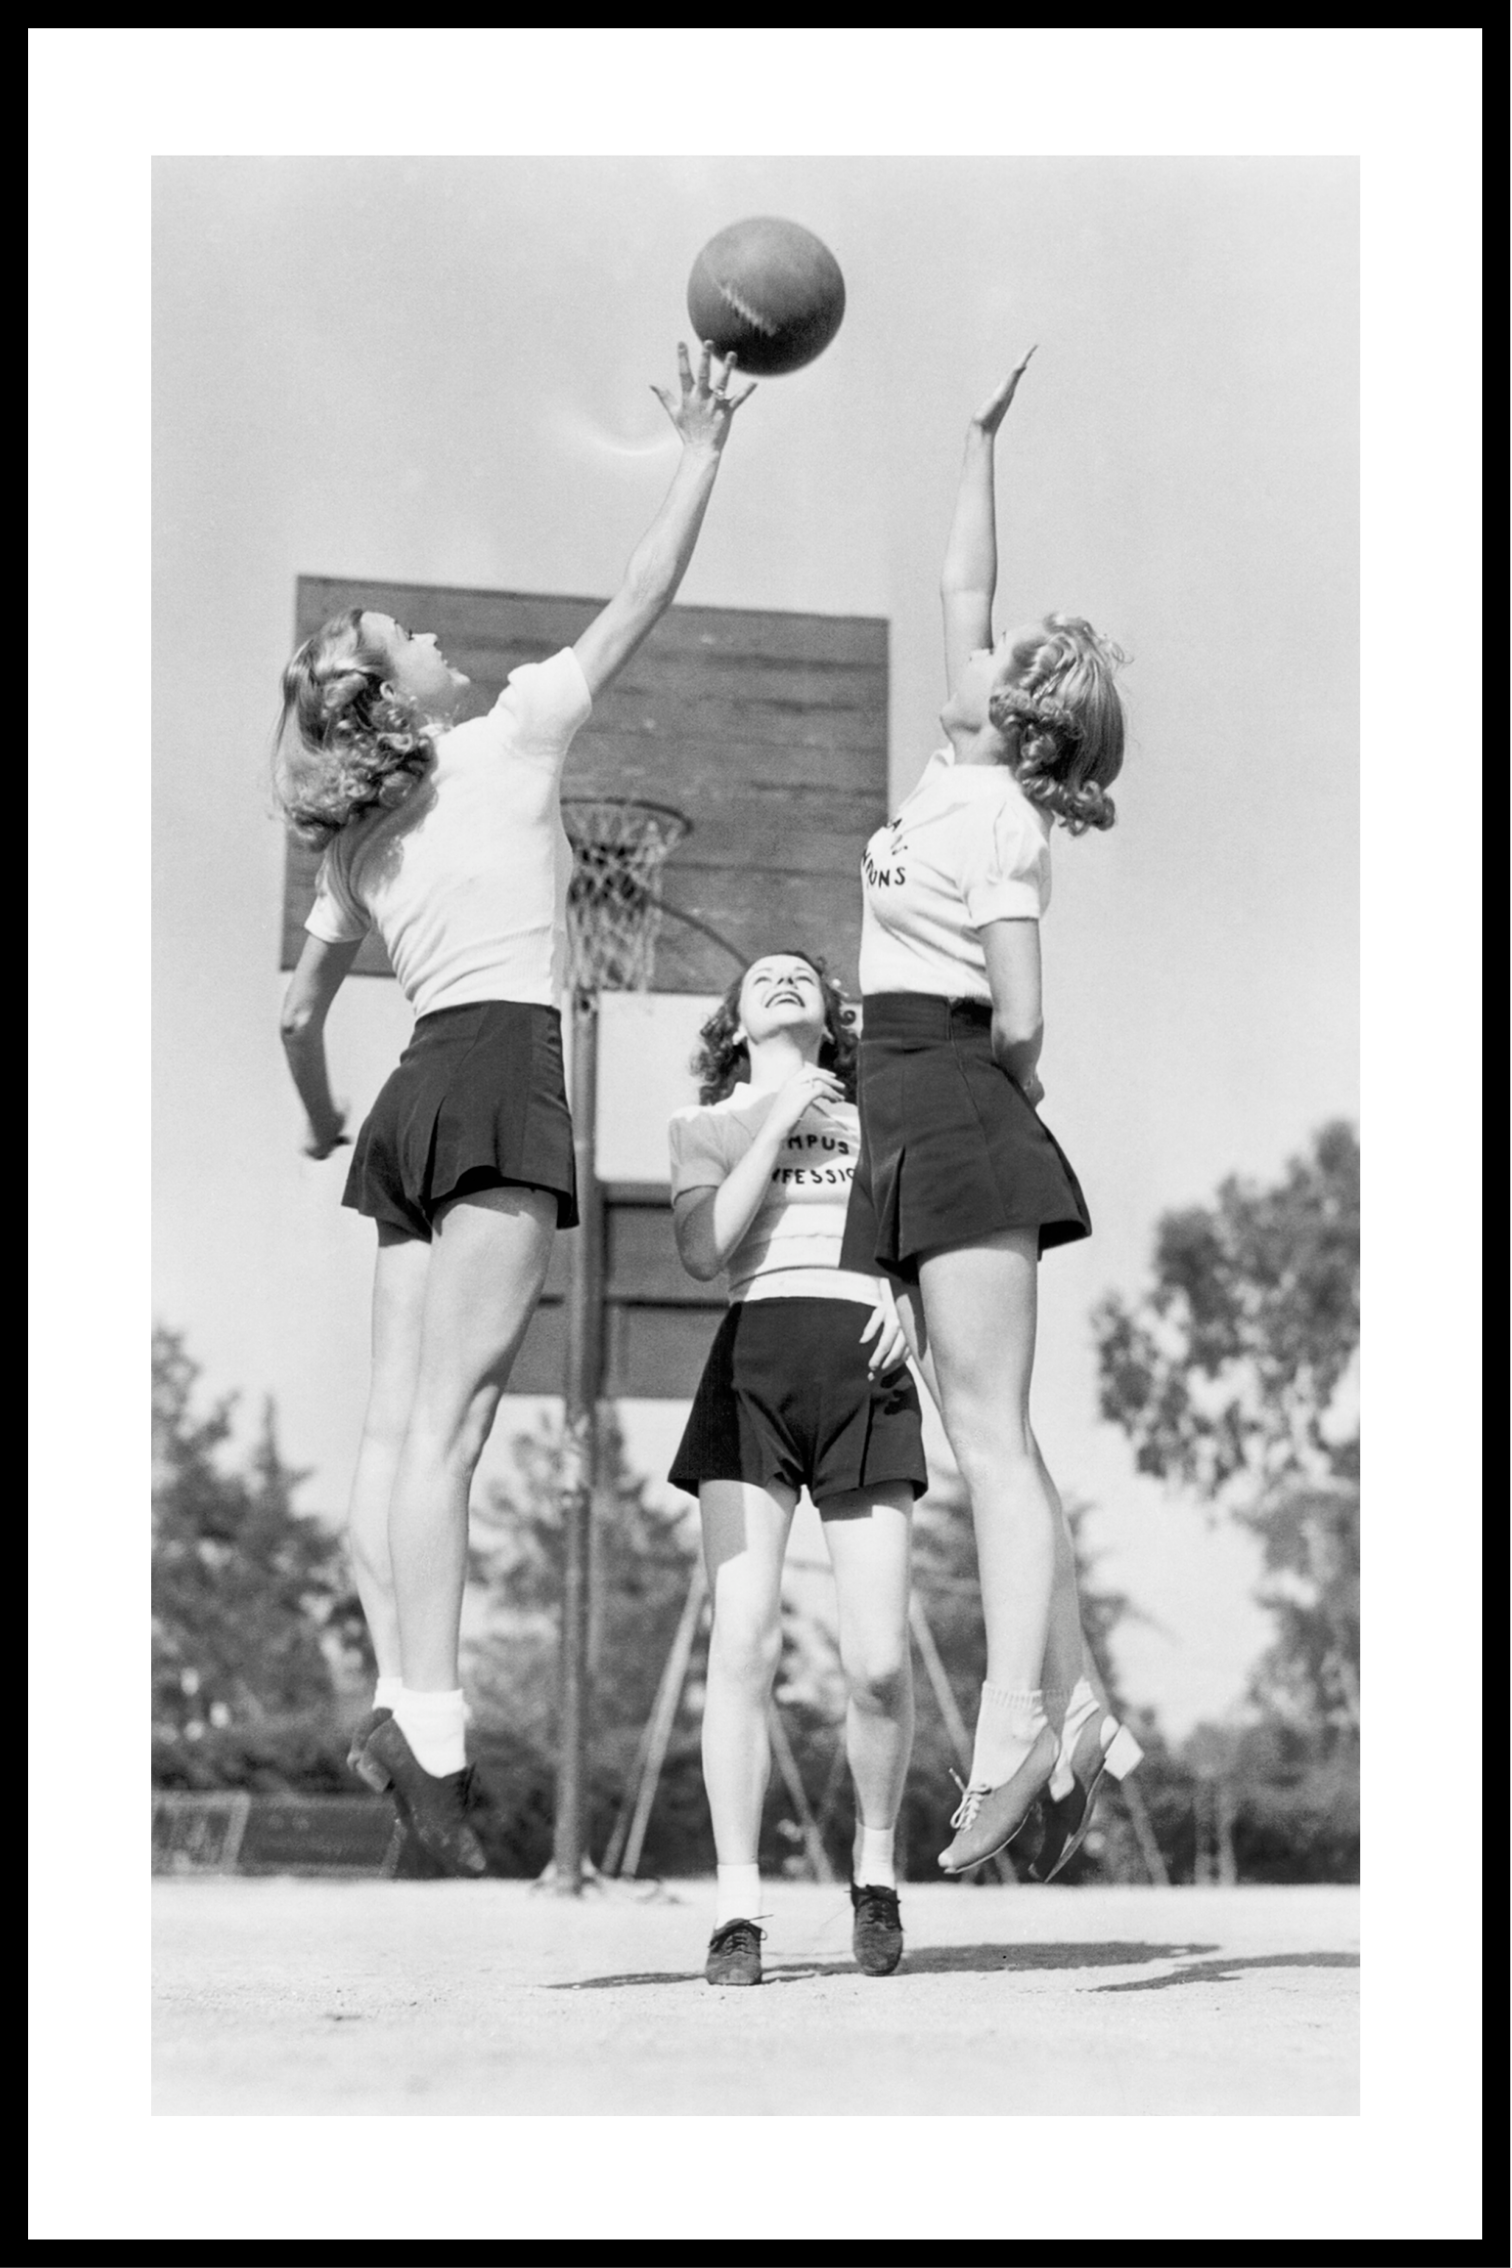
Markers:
(344, 744)
(722, 1059)
(1063, 707)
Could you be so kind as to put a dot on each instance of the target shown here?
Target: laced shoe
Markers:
(434, 1806)
(987, 1818)
(734, 1955)
(1103, 1746)
(876, 1928)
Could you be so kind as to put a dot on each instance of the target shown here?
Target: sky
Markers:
(439, 369)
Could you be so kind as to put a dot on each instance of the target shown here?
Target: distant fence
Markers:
(235, 1833)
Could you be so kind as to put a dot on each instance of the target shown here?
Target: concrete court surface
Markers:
(287, 1997)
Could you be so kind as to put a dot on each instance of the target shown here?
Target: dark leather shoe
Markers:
(876, 1928)
(1103, 1746)
(374, 1774)
(434, 1806)
(987, 1819)
(734, 1955)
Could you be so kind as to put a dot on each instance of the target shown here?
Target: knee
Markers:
(991, 1444)
(877, 1681)
(745, 1650)
(451, 1436)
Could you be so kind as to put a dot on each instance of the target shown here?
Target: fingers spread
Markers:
(684, 367)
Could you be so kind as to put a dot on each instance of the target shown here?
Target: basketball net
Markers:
(619, 847)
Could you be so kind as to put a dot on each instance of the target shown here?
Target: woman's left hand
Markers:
(993, 411)
(886, 1327)
(702, 414)
(1032, 1087)
(325, 1139)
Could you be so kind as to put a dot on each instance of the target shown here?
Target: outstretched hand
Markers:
(993, 411)
(702, 412)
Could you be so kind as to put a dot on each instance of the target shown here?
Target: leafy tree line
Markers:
(1231, 1377)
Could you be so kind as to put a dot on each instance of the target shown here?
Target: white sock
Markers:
(1081, 1703)
(737, 1894)
(874, 1862)
(387, 1691)
(1007, 1726)
(435, 1726)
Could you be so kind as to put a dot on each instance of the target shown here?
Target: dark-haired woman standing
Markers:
(804, 1388)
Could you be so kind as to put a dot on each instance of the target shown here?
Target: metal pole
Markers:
(663, 1719)
(585, 1362)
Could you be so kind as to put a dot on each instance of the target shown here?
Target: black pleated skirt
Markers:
(951, 1152)
(478, 1100)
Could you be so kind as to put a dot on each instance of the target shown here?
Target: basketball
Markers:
(768, 291)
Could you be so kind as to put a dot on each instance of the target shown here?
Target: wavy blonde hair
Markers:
(344, 745)
(1064, 709)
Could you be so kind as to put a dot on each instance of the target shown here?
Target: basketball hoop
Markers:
(619, 848)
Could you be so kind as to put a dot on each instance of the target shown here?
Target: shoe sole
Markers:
(1122, 1754)
(371, 1775)
(953, 1873)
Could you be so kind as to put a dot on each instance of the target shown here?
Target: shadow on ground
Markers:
(1223, 1971)
(955, 1960)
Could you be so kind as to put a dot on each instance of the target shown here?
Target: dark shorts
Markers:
(786, 1396)
(478, 1101)
(951, 1152)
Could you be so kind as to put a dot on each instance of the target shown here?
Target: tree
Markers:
(252, 1612)
(1234, 1376)
(1230, 1370)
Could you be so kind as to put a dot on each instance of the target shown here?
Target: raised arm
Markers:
(316, 980)
(701, 414)
(969, 576)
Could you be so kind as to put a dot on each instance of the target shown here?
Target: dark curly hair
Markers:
(344, 745)
(1064, 708)
(722, 1061)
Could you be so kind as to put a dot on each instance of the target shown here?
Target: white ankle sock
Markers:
(1007, 1726)
(387, 1691)
(435, 1725)
(874, 1861)
(1081, 1703)
(737, 1893)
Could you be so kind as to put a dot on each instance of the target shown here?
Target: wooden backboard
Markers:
(768, 731)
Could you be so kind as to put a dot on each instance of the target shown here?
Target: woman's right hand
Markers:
(810, 1085)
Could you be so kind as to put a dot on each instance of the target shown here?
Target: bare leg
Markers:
(868, 1534)
(487, 1265)
(745, 1533)
(398, 1301)
(1066, 1657)
(980, 1310)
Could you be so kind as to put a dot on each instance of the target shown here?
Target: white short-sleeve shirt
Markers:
(793, 1244)
(466, 882)
(967, 847)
